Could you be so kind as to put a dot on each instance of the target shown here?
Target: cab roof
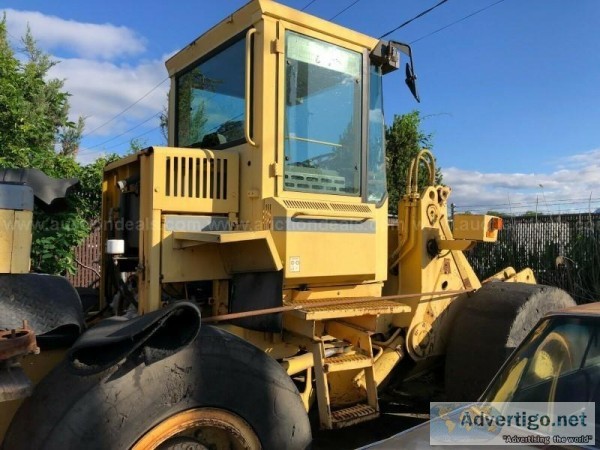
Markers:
(250, 14)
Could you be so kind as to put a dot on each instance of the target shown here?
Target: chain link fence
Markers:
(563, 251)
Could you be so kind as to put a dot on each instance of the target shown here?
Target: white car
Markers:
(559, 361)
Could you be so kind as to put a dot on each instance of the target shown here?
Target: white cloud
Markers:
(88, 40)
(566, 189)
(112, 82)
(100, 67)
(100, 90)
(86, 157)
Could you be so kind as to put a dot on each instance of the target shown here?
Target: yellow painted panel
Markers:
(325, 242)
(233, 251)
(332, 254)
(22, 242)
(476, 227)
(201, 262)
(195, 180)
(7, 224)
(349, 291)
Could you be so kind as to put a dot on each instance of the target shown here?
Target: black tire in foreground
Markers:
(487, 327)
(218, 388)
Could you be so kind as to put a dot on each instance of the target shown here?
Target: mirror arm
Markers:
(411, 77)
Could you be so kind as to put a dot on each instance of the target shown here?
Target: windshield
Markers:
(322, 117)
(559, 362)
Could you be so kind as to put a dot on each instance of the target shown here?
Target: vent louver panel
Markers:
(345, 207)
(350, 208)
(198, 181)
(302, 204)
(196, 177)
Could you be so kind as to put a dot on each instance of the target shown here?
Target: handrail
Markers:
(249, 34)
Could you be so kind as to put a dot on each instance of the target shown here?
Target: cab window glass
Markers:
(211, 100)
(376, 181)
(323, 117)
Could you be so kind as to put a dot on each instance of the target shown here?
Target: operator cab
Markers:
(330, 99)
(286, 111)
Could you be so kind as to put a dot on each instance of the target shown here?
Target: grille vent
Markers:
(196, 177)
(300, 204)
(350, 208)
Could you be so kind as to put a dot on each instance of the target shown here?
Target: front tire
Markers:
(487, 327)
(218, 379)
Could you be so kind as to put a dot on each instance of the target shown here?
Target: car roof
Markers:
(587, 309)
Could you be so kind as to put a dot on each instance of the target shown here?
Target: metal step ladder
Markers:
(317, 309)
(323, 320)
(360, 357)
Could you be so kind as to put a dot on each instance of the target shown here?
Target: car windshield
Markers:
(558, 362)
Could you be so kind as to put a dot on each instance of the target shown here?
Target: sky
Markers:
(510, 94)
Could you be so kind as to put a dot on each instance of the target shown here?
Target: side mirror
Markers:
(411, 78)
(387, 56)
(411, 82)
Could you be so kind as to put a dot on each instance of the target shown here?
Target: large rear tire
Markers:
(487, 328)
(219, 392)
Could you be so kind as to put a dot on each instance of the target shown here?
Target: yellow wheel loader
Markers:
(250, 268)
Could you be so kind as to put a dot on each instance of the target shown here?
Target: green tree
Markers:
(36, 133)
(404, 139)
(69, 138)
(33, 109)
(137, 144)
(164, 122)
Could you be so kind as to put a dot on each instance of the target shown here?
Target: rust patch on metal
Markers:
(447, 268)
(467, 283)
(17, 342)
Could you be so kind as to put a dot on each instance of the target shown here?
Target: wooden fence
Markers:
(88, 256)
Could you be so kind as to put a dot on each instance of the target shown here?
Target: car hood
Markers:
(418, 438)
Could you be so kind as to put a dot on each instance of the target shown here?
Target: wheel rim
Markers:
(200, 429)
(552, 357)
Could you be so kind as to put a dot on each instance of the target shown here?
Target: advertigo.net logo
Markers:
(536, 423)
